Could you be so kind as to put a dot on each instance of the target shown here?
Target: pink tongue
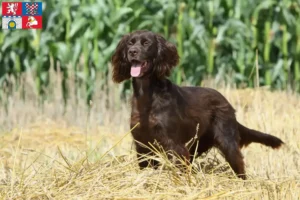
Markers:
(135, 70)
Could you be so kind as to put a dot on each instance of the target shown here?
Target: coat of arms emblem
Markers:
(12, 8)
(31, 8)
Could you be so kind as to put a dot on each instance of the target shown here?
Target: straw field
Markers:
(57, 152)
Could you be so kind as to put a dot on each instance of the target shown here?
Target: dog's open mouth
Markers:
(138, 68)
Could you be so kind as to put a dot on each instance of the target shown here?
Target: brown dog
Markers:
(169, 114)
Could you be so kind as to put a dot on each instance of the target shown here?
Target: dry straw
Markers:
(58, 154)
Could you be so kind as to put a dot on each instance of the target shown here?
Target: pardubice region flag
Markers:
(11, 22)
(22, 15)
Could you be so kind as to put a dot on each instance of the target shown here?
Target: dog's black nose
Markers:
(133, 51)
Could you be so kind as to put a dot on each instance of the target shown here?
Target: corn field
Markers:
(228, 40)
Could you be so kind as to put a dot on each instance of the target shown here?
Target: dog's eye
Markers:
(131, 42)
(146, 43)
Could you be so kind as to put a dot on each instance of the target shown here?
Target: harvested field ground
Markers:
(47, 155)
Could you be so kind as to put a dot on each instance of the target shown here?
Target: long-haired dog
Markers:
(169, 114)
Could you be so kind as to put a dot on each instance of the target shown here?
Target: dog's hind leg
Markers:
(227, 140)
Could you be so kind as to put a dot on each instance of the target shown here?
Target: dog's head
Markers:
(143, 54)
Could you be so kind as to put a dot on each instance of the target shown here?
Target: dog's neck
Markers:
(144, 90)
(142, 93)
(142, 87)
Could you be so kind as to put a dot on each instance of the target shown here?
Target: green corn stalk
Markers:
(65, 89)
(267, 49)
(211, 45)
(38, 64)
(68, 43)
(87, 71)
(211, 53)
(117, 4)
(267, 40)
(167, 21)
(238, 9)
(96, 53)
(77, 85)
(210, 56)
(241, 59)
(230, 5)
(191, 4)
(254, 29)
(285, 54)
(96, 59)
(38, 80)
(211, 14)
(297, 59)
(64, 68)
(180, 41)
(18, 69)
(68, 23)
(297, 74)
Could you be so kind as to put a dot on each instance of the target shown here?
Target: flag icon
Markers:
(11, 8)
(11, 22)
(22, 15)
(32, 8)
(32, 22)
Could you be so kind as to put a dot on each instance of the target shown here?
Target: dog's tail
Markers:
(249, 135)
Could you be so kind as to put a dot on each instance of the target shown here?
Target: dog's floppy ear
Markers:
(120, 63)
(166, 59)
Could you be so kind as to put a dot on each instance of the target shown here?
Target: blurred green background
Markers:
(220, 39)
